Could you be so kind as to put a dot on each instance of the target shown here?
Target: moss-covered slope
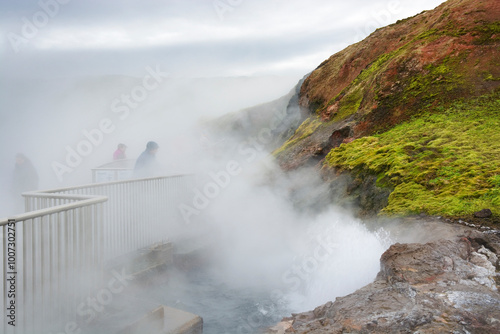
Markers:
(414, 66)
(416, 105)
(446, 163)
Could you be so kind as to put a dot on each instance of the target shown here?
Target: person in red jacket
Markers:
(120, 152)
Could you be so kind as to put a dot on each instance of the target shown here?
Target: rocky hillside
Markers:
(276, 121)
(409, 117)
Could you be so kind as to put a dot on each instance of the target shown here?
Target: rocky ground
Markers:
(447, 285)
(364, 105)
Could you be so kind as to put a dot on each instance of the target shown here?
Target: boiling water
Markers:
(224, 309)
(333, 256)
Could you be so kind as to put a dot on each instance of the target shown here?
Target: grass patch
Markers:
(303, 131)
(487, 33)
(349, 104)
(437, 83)
(444, 163)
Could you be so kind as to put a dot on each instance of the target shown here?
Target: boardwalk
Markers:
(54, 255)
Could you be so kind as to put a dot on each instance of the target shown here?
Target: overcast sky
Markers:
(186, 38)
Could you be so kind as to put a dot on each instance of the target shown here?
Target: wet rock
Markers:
(445, 286)
(357, 191)
(282, 327)
(339, 136)
(485, 213)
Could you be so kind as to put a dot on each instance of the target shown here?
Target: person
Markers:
(120, 152)
(25, 177)
(146, 165)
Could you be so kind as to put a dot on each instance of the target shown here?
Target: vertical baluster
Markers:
(111, 236)
(138, 212)
(126, 216)
(113, 227)
(119, 224)
(26, 252)
(50, 264)
(157, 200)
(59, 266)
(67, 255)
(32, 264)
(43, 269)
(134, 198)
(74, 256)
(4, 274)
(80, 251)
(101, 236)
(36, 256)
(96, 237)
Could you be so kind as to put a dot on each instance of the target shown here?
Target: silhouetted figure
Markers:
(120, 152)
(146, 165)
(25, 177)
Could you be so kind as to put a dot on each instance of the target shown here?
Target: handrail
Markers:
(70, 234)
(104, 184)
(84, 201)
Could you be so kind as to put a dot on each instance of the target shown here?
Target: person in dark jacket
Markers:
(25, 177)
(146, 165)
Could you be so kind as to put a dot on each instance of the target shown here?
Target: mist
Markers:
(67, 126)
(137, 71)
(197, 79)
(263, 242)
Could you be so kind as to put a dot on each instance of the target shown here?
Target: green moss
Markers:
(303, 131)
(442, 81)
(437, 84)
(443, 164)
(349, 104)
(377, 65)
(351, 97)
(487, 33)
(483, 33)
(450, 29)
(427, 34)
(489, 77)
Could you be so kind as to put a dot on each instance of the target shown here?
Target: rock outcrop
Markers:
(415, 65)
(447, 286)
(405, 122)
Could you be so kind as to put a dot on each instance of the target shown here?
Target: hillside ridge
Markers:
(421, 66)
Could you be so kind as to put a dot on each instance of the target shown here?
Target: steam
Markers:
(67, 126)
(265, 238)
(277, 235)
(274, 235)
(266, 231)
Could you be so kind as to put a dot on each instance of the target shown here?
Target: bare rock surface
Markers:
(443, 286)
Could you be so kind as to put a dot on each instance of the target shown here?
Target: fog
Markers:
(94, 75)
(150, 71)
(266, 242)
(54, 126)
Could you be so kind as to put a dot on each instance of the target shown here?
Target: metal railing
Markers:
(53, 255)
(114, 171)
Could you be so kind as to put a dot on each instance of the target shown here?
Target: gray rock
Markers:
(484, 213)
(445, 286)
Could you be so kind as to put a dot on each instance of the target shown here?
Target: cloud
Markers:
(194, 37)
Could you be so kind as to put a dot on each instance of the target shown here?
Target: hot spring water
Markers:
(333, 256)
